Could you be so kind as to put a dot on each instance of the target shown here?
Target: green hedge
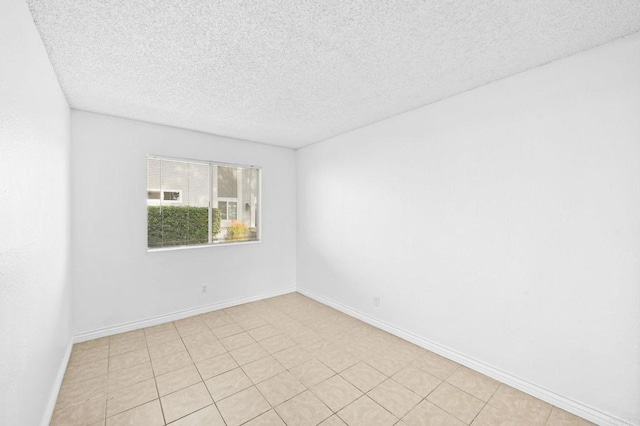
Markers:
(179, 225)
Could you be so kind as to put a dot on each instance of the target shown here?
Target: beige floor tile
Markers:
(387, 364)
(159, 329)
(205, 336)
(129, 335)
(185, 401)
(337, 359)
(177, 379)
(411, 350)
(129, 376)
(227, 330)
(120, 337)
(128, 359)
(162, 338)
(123, 346)
(247, 354)
(303, 410)
(416, 380)
(270, 418)
(472, 382)
(456, 402)
(80, 414)
(262, 369)
(277, 343)
(131, 396)
(251, 323)
(193, 328)
(243, 406)
(203, 351)
(281, 388)
(81, 391)
(208, 416)
(227, 384)
(219, 321)
(520, 404)
(363, 376)
(148, 414)
(216, 365)
(315, 345)
(333, 421)
(312, 372)
(427, 414)
(336, 393)
(164, 349)
(91, 344)
(196, 319)
(436, 365)
(86, 371)
(293, 356)
(366, 412)
(562, 418)
(264, 332)
(88, 355)
(491, 416)
(394, 397)
(171, 362)
(237, 341)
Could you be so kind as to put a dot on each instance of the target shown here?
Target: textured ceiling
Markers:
(293, 72)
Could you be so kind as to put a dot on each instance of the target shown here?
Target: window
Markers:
(228, 210)
(195, 203)
(170, 196)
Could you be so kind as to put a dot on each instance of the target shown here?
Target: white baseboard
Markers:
(53, 397)
(546, 395)
(174, 316)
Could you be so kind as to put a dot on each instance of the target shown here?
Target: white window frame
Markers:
(228, 200)
(213, 203)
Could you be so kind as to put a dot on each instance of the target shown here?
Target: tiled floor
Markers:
(286, 360)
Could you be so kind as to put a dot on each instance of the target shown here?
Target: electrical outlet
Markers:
(376, 300)
(203, 289)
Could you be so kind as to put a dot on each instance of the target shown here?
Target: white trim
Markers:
(570, 405)
(174, 316)
(51, 405)
(197, 246)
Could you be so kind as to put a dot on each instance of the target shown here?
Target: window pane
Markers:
(153, 175)
(227, 182)
(242, 212)
(171, 195)
(198, 203)
(233, 210)
(222, 207)
(177, 218)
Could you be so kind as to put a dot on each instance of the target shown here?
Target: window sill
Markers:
(200, 246)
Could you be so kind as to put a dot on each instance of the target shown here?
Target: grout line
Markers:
(164, 418)
(549, 416)
(202, 378)
(106, 393)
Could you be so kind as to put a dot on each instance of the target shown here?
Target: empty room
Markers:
(319, 213)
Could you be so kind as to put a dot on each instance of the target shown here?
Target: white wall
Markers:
(35, 294)
(116, 280)
(501, 223)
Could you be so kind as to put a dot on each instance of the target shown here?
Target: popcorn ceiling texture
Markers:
(295, 72)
